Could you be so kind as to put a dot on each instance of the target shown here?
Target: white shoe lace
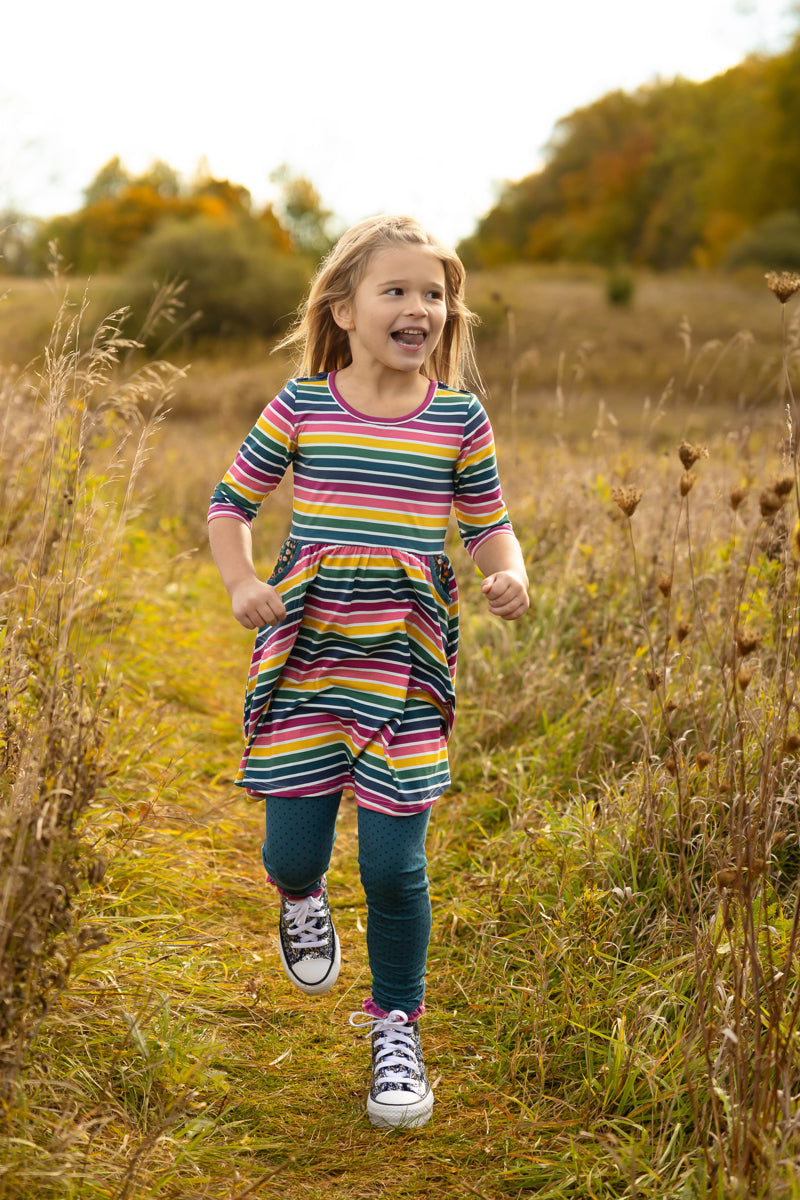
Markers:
(302, 921)
(395, 1053)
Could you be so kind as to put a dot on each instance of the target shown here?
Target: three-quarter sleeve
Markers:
(261, 463)
(478, 500)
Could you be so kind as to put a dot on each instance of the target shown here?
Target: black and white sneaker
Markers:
(400, 1096)
(309, 946)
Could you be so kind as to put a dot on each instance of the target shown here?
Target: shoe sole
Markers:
(324, 985)
(400, 1116)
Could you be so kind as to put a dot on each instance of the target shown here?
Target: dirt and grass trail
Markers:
(269, 1085)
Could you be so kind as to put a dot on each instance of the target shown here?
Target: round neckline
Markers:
(362, 416)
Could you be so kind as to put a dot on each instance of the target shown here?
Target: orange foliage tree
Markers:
(120, 211)
(671, 174)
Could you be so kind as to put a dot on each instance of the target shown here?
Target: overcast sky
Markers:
(412, 107)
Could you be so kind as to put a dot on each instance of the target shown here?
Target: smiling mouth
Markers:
(413, 338)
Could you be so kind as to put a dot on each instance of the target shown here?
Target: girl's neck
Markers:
(388, 394)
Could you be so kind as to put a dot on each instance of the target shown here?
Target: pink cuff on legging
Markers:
(375, 1011)
(291, 895)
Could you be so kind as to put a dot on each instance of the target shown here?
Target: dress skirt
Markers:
(354, 687)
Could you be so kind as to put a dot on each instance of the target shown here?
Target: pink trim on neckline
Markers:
(362, 416)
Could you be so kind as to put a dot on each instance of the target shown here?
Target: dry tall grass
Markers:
(613, 986)
(75, 431)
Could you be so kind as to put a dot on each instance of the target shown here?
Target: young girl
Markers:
(351, 681)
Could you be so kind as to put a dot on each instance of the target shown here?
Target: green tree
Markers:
(110, 180)
(300, 210)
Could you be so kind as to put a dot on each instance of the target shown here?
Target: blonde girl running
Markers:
(352, 674)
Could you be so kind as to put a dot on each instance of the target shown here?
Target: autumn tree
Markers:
(300, 211)
(121, 210)
(673, 173)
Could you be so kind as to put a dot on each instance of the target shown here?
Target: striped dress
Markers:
(354, 687)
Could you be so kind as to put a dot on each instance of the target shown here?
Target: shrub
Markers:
(236, 282)
(619, 287)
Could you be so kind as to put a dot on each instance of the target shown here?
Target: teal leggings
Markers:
(391, 857)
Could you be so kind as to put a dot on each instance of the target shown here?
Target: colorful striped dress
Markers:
(354, 687)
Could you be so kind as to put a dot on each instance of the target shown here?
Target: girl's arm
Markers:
(506, 581)
(254, 603)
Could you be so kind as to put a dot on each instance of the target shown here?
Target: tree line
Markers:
(227, 266)
(673, 174)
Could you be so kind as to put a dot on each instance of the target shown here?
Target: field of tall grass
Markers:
(613, 989)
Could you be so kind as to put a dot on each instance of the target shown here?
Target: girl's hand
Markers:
(255, 604)
(507, 593)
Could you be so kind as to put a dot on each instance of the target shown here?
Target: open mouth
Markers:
(413, 338)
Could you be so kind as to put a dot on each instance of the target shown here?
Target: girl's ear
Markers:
(342, 313)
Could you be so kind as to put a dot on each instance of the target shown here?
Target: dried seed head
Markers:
(654, 678)
(744, 677)
(792, 743)
(758, 867)
(783, 284)
(727, 877)
(702, 759)
(769, 502)
(687, 482)
(784, 485)
(671, 765)
(671, 706)
(747, 641)
(682, 630)
(689, 454)
(737, 495)
(627, 498)
(664, 582)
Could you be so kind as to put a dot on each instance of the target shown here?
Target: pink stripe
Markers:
(227, 510)
(367, 432)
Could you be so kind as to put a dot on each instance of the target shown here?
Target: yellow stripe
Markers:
(344, 563)
(274, 433)
(301, 741)
(241, 490)
(369, 514)
(477, 456)
(423, 449)
(346, 683)
(431, 758)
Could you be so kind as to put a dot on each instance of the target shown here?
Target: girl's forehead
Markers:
(401, 260)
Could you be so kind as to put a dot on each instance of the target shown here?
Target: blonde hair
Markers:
(323, 346)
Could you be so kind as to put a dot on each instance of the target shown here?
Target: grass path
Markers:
(233, 1079)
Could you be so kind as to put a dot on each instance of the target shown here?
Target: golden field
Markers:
(613, 981)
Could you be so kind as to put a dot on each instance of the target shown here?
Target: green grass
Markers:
(606, 1017)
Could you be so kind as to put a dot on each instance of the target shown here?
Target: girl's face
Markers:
(396, 316)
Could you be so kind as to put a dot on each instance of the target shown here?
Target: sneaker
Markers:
(309, 946)
(400, 1096)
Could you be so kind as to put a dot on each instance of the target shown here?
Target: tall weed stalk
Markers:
(718, 811)
(75, 431)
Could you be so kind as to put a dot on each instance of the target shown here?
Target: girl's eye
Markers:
(395, 291)
(435, 295)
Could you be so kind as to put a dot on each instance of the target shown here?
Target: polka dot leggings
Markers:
(391, 857)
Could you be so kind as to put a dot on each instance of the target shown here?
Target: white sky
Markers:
(406, 107)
